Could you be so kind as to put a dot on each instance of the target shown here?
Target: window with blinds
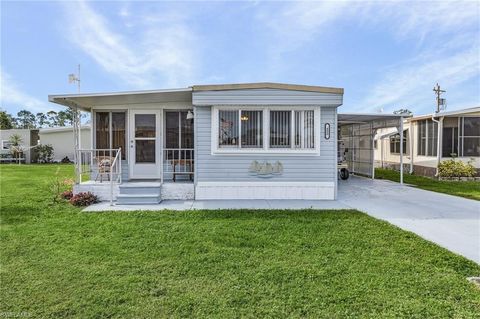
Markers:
(228, 129)
(251, 129)
(304, 129)
(285, 129)
(281, 128)
(280, 122)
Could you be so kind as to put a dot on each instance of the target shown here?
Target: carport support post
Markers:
(373, 131)
(76, 142)
(401, 150)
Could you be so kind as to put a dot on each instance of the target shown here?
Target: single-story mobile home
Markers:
(454, 133)
(230, 141)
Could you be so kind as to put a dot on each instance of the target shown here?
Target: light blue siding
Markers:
(235, 167)
(265, 96)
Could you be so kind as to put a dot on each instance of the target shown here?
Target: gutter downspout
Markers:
(439, 140)
(411, 135)
(401, 150)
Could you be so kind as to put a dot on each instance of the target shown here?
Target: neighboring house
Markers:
(29, 140)
(61, 139)
(232, 141)
(459, 138)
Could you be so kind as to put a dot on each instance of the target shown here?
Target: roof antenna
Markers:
(72, 78)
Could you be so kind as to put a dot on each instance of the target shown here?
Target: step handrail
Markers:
(119, 175)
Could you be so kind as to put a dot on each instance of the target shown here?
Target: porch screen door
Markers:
(145, 161)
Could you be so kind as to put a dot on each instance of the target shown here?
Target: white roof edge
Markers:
(375, 114)
(449, 113)
(461, 111)
(61, 129)
(51, 97)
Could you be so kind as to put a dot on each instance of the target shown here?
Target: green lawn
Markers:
(467, 189)
(59, 262)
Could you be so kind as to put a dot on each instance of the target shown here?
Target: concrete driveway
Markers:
(450, 221)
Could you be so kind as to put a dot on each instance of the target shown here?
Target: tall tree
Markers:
(42, 119)
(6, 121)
(52, 118)
(65, 118)
(26, 119)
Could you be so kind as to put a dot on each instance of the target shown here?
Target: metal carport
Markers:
(356, 133)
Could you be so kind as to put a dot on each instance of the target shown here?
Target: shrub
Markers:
(84, 199)
(66, 160)
(67, 195)
(454, 168)
(45, 153)
(59, 186)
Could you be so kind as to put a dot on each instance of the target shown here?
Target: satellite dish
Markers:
(71, 78)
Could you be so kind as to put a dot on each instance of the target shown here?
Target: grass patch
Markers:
(59, 262)
(467, 189)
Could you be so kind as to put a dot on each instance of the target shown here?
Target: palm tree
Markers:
(16, 148)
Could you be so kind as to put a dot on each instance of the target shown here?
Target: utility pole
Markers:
(439, 92)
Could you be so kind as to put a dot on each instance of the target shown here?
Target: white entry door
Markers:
(145, 153)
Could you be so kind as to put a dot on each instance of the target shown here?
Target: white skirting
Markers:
(265, 190)
(180, 191)
(102, 190)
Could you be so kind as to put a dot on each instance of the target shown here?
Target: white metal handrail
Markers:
(97, 165)
(179, 161)
(116, 165)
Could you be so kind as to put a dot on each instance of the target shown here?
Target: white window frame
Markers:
(6, 142)
(462, 136)
(216, 150)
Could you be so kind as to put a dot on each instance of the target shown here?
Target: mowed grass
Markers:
(467, 189)
(58, 262)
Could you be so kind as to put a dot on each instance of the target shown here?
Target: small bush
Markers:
(84, 199)
(66, 160)
(45, 153)
(454, 168)
(67, 195)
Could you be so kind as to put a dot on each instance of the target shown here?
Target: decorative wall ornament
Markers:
(265, 169)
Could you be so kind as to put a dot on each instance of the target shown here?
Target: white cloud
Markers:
(446, 35)
(411, 85)
(158, 55)
(12, 95)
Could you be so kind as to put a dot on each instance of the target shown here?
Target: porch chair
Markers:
(182, 162)
(104, 165)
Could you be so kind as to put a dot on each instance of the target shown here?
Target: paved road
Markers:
(450, 221)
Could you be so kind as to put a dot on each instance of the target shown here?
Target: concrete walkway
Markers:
(451, 222)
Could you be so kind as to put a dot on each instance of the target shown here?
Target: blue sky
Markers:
(387, 55)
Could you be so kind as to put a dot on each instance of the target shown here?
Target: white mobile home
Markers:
(29, 139)
(454, 133)
(61, 139)
(231, 141)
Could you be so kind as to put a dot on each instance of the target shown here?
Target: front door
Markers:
(145, 161)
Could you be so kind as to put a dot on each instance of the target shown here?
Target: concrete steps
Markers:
(139, 193)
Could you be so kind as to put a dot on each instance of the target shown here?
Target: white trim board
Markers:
(265, 190)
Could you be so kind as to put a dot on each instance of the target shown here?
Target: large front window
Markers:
(267, 128)
(110, 131)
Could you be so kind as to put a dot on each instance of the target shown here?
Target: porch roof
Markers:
(86, 101)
